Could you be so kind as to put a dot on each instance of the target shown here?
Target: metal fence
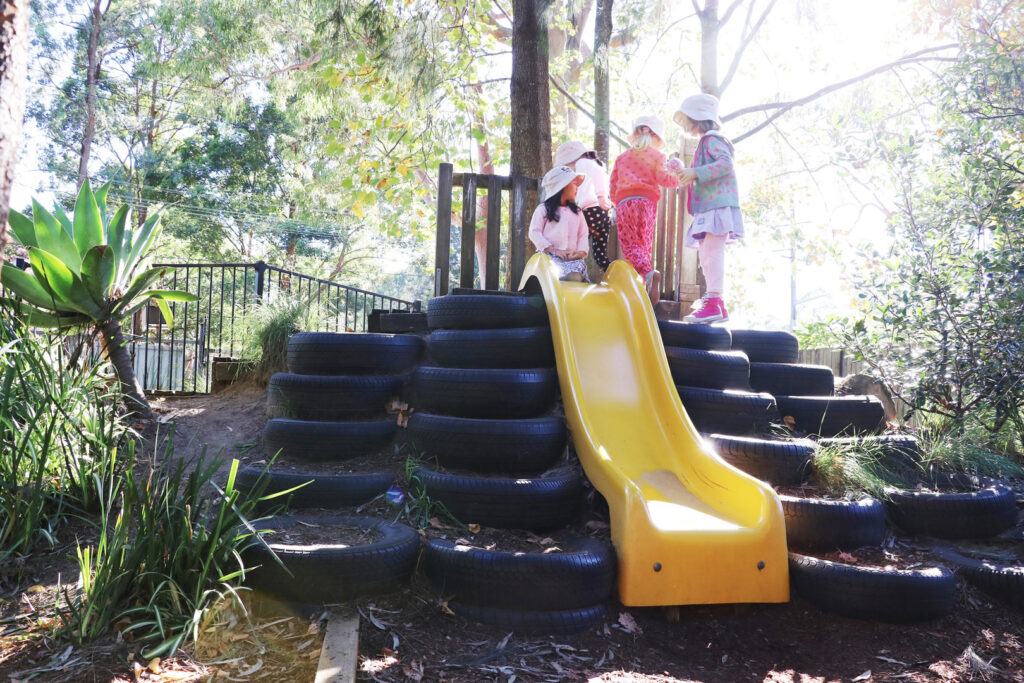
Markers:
(180, 358)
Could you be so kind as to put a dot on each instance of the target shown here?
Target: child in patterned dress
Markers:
(558, 227)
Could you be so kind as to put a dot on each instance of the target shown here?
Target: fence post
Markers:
(444, 229)
(261, 269)
(468, 252)
(519, 226)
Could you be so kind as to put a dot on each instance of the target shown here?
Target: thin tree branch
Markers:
(590, 115)
(732, 8)
(745, 41)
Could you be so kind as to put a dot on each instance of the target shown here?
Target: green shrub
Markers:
(266, 329)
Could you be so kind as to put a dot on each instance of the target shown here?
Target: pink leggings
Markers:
(712, 262)
(635, 218)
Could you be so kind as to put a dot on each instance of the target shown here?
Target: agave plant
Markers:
(88, 271)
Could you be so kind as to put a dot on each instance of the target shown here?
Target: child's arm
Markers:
(536, 233)
(720, 151)
(662, 175)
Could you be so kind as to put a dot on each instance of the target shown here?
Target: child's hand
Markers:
(674, 165)
(573, 255)
(687, 176)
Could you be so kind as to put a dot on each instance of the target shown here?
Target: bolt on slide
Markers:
(688, 527)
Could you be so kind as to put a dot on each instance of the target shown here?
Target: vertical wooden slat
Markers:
(466, 257)
(659, 235)
(518, 226)
(493, 230)
(680, 199)
(444, 231)
(668, 275)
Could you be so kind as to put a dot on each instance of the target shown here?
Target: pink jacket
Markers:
(640, 174)
(569, 232)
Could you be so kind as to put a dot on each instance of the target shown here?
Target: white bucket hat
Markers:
(569, 152)
(653, 122)
(557, 178)
(700, 107)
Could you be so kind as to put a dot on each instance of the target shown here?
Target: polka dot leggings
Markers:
(636, 217)
(600, 225)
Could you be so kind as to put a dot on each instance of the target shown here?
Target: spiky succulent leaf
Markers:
(141, 282)
(23, 228)
(88, 226)
(51, 237)
(115, 238)
(28, 288)
(63, 284)
(101, 201)
(142, 240)
(39, 318)
(98, 272)
(63, 219)
(165, 310)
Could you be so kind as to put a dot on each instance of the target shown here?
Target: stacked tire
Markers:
(331, 406)
(484, 420)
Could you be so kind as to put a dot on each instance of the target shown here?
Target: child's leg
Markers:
(712, 262)
(599, 225)
(636, 218)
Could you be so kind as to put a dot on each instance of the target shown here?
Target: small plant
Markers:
(849, 469)
(420, 508)
(266, 330)
(169, 550)
(970, 449)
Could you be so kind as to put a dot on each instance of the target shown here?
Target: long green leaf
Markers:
(139, 284)
(51, 237)
(166, 311)
(172, 295)
(28, 288)
(142, 240)
(88, 226)
(98, 272)
(64, 220)
(23, 228)
(40, 318)
(101, 200)
(61, 282)
(115, 238)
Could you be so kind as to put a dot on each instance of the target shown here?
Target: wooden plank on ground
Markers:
(338, 658)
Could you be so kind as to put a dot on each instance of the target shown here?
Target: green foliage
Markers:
(266, 329)
(59, 438)
(850, 469)
(168, 552)
(972, 450)
(420, 508)
(84, 267)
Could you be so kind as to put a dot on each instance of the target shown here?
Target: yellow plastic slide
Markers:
(688, 527)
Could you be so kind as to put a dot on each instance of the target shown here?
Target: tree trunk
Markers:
(13, 72)
(531, 99)
(91, 76)
(602, 93)
(117, 352)
(709, 24)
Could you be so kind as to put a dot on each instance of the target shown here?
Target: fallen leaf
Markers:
(627, 622)
(413, 670)
(863, 677)
(474, 528)
(436, 523)
(387, 652)
(154, 665)
(791, 423)
(847, 557)
(446, 609)
(36, 589)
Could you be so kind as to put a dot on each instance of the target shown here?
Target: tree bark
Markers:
(13, 73)
(530, 95)
(117, 353)
(91, 77)
(709, 24)
(602, 93)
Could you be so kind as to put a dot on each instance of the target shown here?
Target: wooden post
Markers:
(468, 256)
(494, 183)
(520, 225)
(443, 244)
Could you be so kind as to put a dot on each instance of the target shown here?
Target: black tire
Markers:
(561, 622)
(348, 353)
(486, 311)
(327, 491)
(986, 509)
(869, 593)
(900, 452)
(321, 574)
(792, 379)
(687, 335)
(344, 397)
(1004, 582)
(582, 574)
(708, 369)
(513, 446)
(404, 323)
(307, 440)
(485, 393)
(833, 415)
(816, 524)
(766, 346)
(782, 463)
(514, 347)
(544, 502)
(728, 412)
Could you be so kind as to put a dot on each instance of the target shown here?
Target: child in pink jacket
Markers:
(637, 178)
(558, 227)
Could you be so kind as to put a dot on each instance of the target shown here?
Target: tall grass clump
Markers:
(850, 469)
(265, 331)
(968, 448)
(168, 551)
(59, 437)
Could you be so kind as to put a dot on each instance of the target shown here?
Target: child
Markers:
(635, 181)
(713, 202)
(558, 227)
(592, 196)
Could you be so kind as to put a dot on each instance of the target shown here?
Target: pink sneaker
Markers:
(712, 311)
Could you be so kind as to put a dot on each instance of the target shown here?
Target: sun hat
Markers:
(700, 107)
(557, 178)
(569, 152)
(653, 122)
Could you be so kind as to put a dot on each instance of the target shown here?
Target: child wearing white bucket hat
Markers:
(714, 201)
(558, 227)
(592, 196)
(636, 182)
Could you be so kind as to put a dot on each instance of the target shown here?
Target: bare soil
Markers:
(413, 635)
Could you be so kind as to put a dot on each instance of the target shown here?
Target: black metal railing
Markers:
(179, 358)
